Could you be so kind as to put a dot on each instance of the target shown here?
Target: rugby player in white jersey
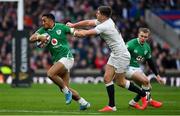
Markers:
(119, 58)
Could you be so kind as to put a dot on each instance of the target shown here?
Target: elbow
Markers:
(79, 34)
(32, 38)
(83, 35)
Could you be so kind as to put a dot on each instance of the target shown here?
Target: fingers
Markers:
(69, 24)
(160, 81)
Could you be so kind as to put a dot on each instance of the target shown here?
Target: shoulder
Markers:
(109, 23)
(134, 40)
(96, 21)
(62, 26)
(148, 46)
(40, 30)
(59, 24)
(106, 25)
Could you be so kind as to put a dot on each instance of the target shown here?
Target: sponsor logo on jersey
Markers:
(135, 51)
(145, 52)
(54, 41)
(58, 32)
(140, 59)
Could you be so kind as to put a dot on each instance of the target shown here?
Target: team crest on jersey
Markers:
(58, 32)
(145, 52)
(54, 41)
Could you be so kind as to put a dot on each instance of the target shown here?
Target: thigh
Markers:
(120, 64)
(131, 70)
(56, 69)
(67, 62)
(139, 78)
(120, 79)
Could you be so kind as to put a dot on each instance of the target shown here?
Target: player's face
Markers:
(45, 22)
(99, 16)
(143, 36)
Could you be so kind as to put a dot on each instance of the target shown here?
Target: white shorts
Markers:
(131, 70)
(68, 62)
(120, 64)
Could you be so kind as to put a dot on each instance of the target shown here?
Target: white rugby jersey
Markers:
(113, 38)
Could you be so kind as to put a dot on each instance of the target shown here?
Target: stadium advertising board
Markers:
(20, 60)
(170, 80)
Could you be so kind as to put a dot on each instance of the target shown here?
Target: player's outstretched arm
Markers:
(84, 23)
(159, 79)
(153, 68)
(84, 33)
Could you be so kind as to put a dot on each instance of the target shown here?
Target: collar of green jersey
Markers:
(139, 42)
(52, 28)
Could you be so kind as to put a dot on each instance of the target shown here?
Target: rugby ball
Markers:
(42, 45)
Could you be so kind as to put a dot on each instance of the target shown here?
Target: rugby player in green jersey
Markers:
(56, 42)
(140, 52)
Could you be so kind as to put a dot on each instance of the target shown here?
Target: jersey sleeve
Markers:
(130, 45)
(100, 28)
(67, 29)
(148, 56)
(40, 31)
(96, 22)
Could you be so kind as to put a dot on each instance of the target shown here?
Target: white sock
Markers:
(108, 84)
(65, 90)
(148, 94)
(145, 88)
(82, 101)
(132, 102)
(127, 84)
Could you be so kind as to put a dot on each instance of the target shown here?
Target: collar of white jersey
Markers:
(105, 20)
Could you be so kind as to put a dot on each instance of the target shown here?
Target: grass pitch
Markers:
(44, 99)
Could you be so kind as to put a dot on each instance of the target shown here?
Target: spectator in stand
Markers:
(100, 60)
(127, 14)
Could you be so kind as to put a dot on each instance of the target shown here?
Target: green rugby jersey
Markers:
(58, 44)
(139, 52)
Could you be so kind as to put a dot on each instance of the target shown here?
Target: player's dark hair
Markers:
(50, 16)
(105, 10)
(145, 30)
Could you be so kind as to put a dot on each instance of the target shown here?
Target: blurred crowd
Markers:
(90, 52)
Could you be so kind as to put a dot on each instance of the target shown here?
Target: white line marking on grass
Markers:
(46, 111)
(66, 113)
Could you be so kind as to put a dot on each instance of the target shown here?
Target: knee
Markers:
(145, 82)
(107, 79)
(50, 74)
(121, 83)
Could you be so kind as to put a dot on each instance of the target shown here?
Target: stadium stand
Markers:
(89, 53)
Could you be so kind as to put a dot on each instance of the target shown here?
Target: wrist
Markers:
(74, 25)
(74, 33)
(72, 30)
(37, 37)
(157, 76)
